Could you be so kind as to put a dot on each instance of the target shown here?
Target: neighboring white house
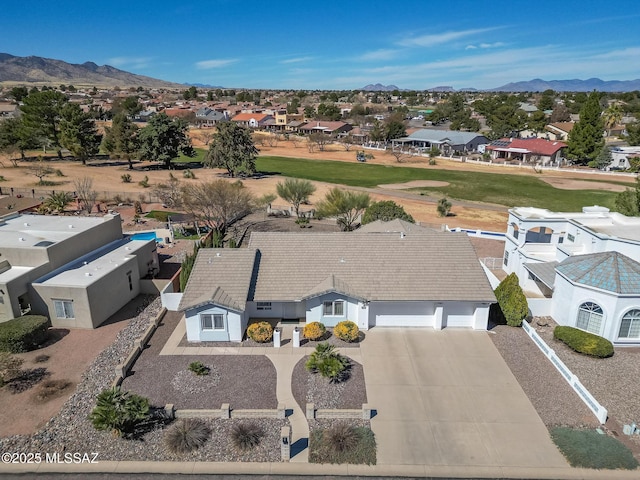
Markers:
(417, 279)
(584, 263)
(620, 157)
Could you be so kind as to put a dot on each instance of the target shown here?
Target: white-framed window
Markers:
(333, 309)
(212, 321)
(590, 317)
(64, 308)
(630, 325)
(263, 306)
(506, 258)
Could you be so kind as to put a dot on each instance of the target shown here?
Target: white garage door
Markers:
(458, 315)
(399, 314)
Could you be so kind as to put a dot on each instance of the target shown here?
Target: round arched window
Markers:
(630, 325)
(590, 317)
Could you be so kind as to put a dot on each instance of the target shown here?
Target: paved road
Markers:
(448, 398)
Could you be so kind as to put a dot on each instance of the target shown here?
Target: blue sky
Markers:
(414, 44)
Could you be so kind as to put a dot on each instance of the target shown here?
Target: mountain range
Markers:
(34, 69)
(47, 70)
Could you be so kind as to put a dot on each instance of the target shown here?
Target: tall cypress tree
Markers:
(586, 139)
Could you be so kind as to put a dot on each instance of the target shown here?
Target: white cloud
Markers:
(130, 62)
(382, 54)
(297, 60)
(492, 45)
(470, 47)
(218, 63)
(440, 38)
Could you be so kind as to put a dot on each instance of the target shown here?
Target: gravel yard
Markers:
(313, 388)
(612, 381)
(554, 400)
(242, 381)
(71, 431)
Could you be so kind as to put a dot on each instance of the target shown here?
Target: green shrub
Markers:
(126, 178)
(199, 368)
(342, 443)
(188, 174)
(186, 435)
(347, 331)
(144, 183)
(512, 300)
(246, 435)
(260, 332)
(326, 361)
(23, 333)
(584, 342)
(313, 330)
(119, 411)
(589, 449)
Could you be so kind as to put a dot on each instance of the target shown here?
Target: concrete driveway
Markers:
(448, 398)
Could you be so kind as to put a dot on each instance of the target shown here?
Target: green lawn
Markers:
(502, 189)
(200, 153)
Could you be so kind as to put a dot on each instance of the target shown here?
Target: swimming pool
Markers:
(144, 236)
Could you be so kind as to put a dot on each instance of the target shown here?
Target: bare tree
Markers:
(218, 203)
(87, 196)
(272, 139)
(169, 193)
(320, 140)
(347, 142)
(296, 140)
(400, 154)
(41, 170)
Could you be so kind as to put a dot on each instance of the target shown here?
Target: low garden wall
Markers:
(122, 370)
(313, 413)
(226, 412)
(598, 410)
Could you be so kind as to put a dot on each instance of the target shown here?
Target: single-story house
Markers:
(558, 131)
(527, 150)
(447, 141)
(416, 279)
(584, 265)
(328, 128)
(251, 120)
(207, 117)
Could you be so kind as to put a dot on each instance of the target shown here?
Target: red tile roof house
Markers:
(252, 120)
(527, 150)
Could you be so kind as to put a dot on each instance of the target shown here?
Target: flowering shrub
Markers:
(260, 332)
(347, 331)
(314, 331)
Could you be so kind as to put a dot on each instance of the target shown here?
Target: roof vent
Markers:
(402, 235)
(218, 254)
(85, 263)
(26, 224)
(88, 274)
(342, 260)
(70, 226)
(22, 239)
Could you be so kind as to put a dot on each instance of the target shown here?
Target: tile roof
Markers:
(245, 117)
(545, 271)
(395, 225)
(538, 146)
(436, 266)
(220, 276)
(610, 271)
(451, 137)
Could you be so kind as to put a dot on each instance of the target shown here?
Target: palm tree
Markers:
(58, 201)
(612, 116)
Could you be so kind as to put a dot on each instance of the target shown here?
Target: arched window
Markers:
(630, 325)
(590, 317)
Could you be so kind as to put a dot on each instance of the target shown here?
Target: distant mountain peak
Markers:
(47, 70)
(573, 85)
(378, 87)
